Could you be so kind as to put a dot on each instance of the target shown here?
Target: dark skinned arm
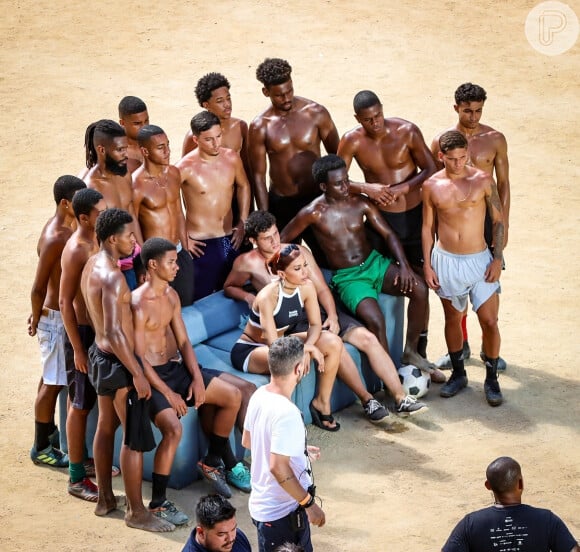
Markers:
(257, 156)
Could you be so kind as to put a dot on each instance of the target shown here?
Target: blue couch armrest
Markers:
(212, 316)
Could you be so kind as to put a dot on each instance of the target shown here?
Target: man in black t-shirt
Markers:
(509, 524)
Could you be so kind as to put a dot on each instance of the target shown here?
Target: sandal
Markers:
(318, 418)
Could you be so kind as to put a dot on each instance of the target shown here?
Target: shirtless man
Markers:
(106, 146)
(288, 135)
(210, 175)
(177, 382)
(253, 267)
(213, 93)
(460, 264)
(113, 367)
(133, 117)
(338, 219)
(45, 321)
(157, 203)
(86, 204)
(395, 162)
(487, 150)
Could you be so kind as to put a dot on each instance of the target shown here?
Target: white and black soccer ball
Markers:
(415, 382)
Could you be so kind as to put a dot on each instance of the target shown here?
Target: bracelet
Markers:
(309, 503)
(305, 500)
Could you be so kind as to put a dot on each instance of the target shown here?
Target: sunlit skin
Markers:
(220, 103)
(455, 201)
(115, 188)
(211, 175)
(487, 150)
(209, 141)
(133, 124)
(156, 193)
(393, 157)
(285, 140)
(338, 220)
(234, 130)
(469, 115)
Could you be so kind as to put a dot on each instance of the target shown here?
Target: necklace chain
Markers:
(161, 180)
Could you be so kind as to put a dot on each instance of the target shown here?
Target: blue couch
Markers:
(213, 325)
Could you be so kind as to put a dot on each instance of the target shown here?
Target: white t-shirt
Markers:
(275, 425)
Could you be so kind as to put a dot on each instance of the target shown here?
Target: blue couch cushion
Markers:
(224, 341)
(212, 316)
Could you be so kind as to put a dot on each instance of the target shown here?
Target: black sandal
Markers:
(318, 418)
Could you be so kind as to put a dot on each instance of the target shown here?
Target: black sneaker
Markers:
(454, 384)
(216, 478)
(492, 391)
(410, 406)
(375, 411)
(501, 363)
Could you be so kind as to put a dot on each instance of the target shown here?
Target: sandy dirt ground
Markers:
(400, 486)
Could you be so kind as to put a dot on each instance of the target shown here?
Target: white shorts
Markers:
(462, 276)
(51, 337)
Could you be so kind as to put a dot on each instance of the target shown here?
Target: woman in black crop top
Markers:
(278, 307)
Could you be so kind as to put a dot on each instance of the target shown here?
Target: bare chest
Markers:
(482, 153)
(384, 158)
(292, 134)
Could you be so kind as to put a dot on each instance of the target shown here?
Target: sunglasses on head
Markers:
(288, 249)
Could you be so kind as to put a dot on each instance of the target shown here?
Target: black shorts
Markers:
(177, 377)
(106, 373)
(240, 352)
(408, 226)
(81, 393)
(184, 282)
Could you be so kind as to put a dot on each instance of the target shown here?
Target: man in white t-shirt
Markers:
(282, 502)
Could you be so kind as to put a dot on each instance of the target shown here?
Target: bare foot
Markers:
(105, 505)
(146, 521)
(414, 358)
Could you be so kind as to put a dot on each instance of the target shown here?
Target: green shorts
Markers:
(359, 282)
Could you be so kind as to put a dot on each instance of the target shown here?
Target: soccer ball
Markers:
(415, 382)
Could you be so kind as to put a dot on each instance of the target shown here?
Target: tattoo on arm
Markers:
(285, 480)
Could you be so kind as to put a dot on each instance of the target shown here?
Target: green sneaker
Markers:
(50, 456)
(239, 477)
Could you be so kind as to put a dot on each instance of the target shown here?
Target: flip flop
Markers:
(318, 418)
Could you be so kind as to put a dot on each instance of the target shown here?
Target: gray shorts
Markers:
(461, 276)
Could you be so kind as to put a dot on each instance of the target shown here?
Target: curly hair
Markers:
(257, 222)
(324, 165)
(469, 92)
(207, 84)
(273, 71)
(110, 222)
